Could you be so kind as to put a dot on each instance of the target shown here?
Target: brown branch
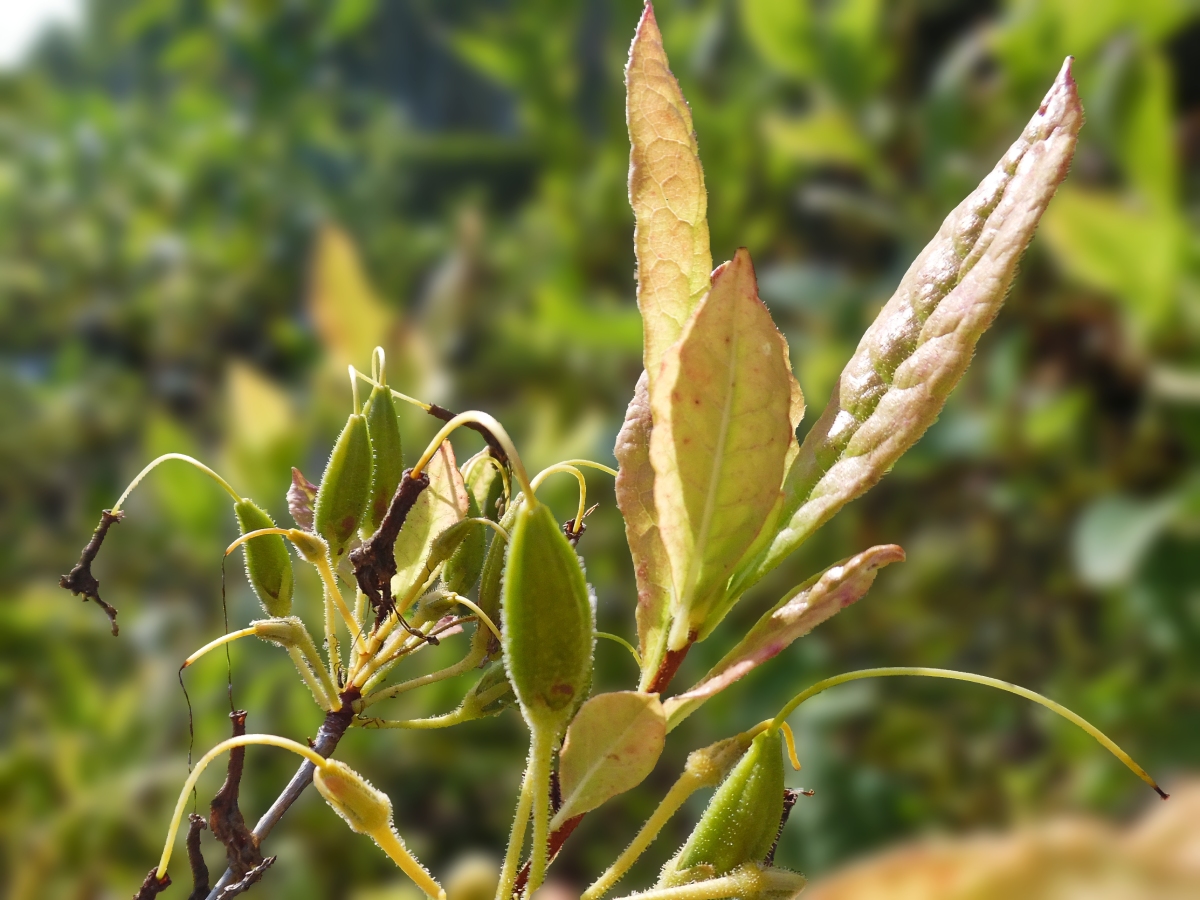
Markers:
(81, 581)
(152, 887)
(196, 863)
(328, 735)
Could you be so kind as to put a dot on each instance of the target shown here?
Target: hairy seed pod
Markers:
(492, 577)
(345, 487)
(311, 546)
(491, 694)
(548, 620)
(387, 451)
(365, 809)
(268, 563)
(464, 565)
(741, 822)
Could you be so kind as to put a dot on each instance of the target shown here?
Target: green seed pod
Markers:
(742, 819)
(345, 487)
(548, 621)
(463, 567)
(487, 698)
(492, 577)
(311, 546)
(484, 483)
(268, 563)
(365, 809)
(386, 448)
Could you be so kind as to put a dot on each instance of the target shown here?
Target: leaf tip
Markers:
(1061, 107)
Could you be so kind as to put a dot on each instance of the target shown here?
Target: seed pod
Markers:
(463, 567)
(548, 621)
(484, 484)
(345, 487)
(486, 698)
(491, 578)
(268, 563)
(311, 546)
(741, 822)
(387, 451)
(365, 809)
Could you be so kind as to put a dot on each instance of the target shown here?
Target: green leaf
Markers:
(922, 341)
(1130, 252)
(349, 317)
(611, 746)
(722, 428)
(782, 33)
(666, 191)
(1114, 534)
(798, 613)
(437, 507)
(635, 499)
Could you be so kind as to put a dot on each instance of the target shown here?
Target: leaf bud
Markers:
(387, 450)
(311, 546)
(741, 822)
(268, 563)
(345, 487)
(548, 620)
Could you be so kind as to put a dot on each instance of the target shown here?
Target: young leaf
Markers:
(611, 746)
(921, 343)
(721, 433)
(349, 317)
(437, 507)
(666, 191)
(635, 499)
(798, 613)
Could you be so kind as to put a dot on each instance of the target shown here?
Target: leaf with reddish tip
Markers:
(914, 353)
(300, 499)
(611, 746)
(666, 191)
(635, 498)
(802, 610)
(722, 422)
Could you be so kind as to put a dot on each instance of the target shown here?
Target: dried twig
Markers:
(81, 581)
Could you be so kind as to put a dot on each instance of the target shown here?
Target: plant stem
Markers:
(391, 844)
(516, 838)
(686, 785)
(541, 752)
(164, 458)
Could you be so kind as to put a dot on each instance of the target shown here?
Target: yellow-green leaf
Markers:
(666, 191)
(722, 428)
(437, 507)
(611, 746)
(348, 315)
(635, 498)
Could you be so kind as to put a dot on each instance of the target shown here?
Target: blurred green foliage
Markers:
(163, 177)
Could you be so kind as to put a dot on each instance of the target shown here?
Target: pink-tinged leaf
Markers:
(611, 746)
(914, 353)
(666, 191)
(794, 616)
(301, 496)
(635, 499)
(436, 508)
(722, 427)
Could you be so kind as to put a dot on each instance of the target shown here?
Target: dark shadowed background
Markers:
(165, 169)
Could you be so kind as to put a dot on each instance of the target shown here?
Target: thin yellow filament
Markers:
(213, 645)
(182, 457)
(244, 740)
(497, 431)
(892, 671)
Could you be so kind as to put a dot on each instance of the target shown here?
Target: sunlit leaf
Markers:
(635, 498)
(666, 191)
(1114, 534)
(721, 432)
(349, 317)
(922, 341)
(437, 507)
(611, 746)
(794, 616)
